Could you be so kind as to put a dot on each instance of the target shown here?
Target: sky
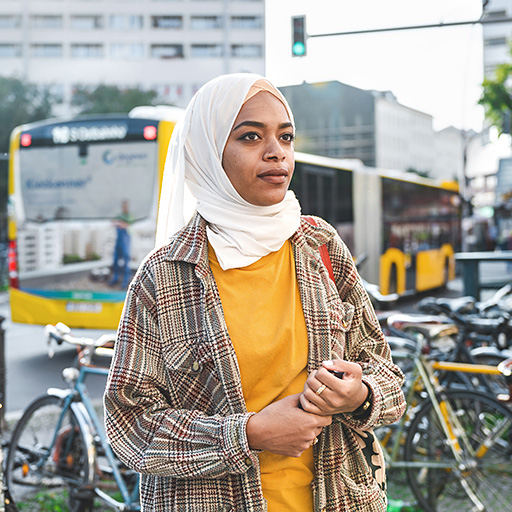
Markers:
(438, 71)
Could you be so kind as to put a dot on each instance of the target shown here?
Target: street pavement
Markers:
(29, 372)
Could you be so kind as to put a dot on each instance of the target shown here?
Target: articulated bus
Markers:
(407, 227)
(70, 179)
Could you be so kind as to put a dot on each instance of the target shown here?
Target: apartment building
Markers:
(497, 36)
(171, 46)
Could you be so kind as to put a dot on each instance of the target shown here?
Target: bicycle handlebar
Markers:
(62, 333)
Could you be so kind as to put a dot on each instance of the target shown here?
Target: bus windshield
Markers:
(87, 181)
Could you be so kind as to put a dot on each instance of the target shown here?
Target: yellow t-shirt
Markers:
(266, 325)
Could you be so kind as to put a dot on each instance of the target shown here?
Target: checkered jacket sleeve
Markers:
(144, 422)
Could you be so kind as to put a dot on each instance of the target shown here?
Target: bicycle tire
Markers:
(489, 475)
(38, 471)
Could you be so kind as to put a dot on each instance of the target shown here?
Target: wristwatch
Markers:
(363, 411)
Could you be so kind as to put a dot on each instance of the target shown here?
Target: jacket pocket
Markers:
(368, 485)
(193, 375)
(368, 494)
(187, 358)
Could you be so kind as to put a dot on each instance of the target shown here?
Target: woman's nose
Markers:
(274, 151)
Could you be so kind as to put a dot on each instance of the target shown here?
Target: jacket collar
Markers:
(310, 236)
(190, 244)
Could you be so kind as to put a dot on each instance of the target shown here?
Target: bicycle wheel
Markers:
(44, 467)
(485, 437)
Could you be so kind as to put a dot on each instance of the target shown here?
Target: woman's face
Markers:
(258, 158)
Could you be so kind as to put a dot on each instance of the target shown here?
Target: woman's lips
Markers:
(275, 176)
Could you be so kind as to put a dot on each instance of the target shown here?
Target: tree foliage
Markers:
(497, 97)
(20, 103)
(109, 99)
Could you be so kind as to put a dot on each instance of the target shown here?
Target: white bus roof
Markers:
(160, 112)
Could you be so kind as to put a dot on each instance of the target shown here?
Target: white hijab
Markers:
(239, 232)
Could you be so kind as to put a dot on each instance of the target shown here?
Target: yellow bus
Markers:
(408, 227)
(69, 182)
(70, 179)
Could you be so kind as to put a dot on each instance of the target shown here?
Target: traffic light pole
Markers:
(412, 27)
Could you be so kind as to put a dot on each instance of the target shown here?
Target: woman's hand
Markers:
(325, 394)
(284, 429)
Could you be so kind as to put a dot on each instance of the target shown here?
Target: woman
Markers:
(221, 391)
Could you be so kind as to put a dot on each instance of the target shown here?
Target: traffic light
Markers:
(298, 36)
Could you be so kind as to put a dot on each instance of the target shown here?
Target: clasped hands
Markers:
(285, 429)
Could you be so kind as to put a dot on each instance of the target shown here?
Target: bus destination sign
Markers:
(65, 134)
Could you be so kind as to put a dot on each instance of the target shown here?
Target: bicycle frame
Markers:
(451, 427)
(77, 398)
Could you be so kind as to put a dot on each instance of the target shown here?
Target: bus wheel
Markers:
(446, 271)
(393, 276)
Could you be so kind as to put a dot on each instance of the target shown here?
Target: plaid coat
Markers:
(174, 406)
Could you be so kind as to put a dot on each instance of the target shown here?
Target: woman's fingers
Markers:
(327, 392)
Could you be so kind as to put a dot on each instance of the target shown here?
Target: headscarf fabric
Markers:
(194, 179)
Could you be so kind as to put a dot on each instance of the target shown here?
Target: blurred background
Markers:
(422, 88)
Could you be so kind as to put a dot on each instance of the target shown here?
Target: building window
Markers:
(126, 22)
(169, 92)
(246, 22)
(10, 50)
(10, 21)
(167, 51)
(87, 51)
(37, 21)
(205, 22)
(495, 15)
(127, 51)
(86, 22)
(495, 41)
(206, 50)
(167, 22)
(46, 50)
(246, 50)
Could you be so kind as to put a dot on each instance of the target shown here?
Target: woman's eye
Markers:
(250, 136)
(288, 137)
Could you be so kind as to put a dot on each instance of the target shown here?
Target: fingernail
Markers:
(328, 363)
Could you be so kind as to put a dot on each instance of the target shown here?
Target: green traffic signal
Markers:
(299, 49)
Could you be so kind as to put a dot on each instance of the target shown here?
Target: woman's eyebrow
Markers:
(258, 124)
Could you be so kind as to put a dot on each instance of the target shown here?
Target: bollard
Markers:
(2, 376)
(2, 412)
(6, 502)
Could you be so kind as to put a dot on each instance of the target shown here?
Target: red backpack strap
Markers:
(324, 252)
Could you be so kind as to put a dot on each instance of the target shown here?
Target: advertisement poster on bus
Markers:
(87, 217)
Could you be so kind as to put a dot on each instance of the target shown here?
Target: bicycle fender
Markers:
(85, 426)
(59, 393)
(491, 351)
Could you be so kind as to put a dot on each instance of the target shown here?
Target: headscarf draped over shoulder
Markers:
(239, 232)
